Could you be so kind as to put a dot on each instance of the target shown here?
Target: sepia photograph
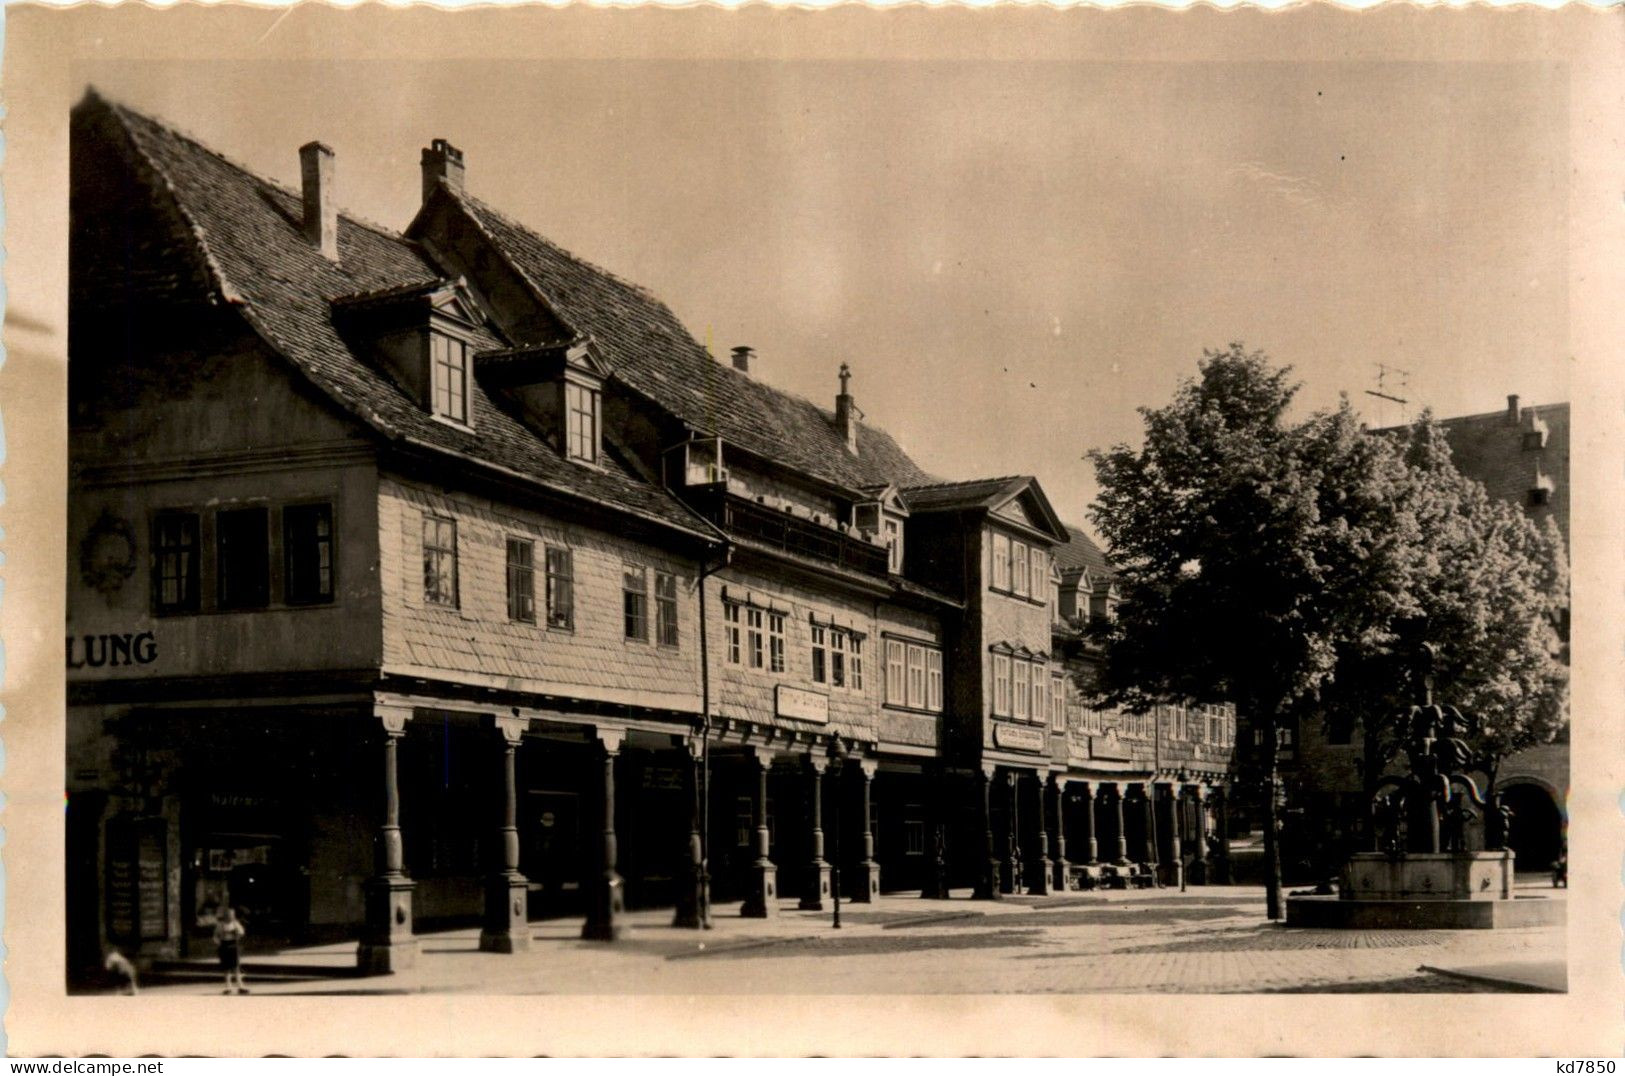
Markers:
(645, 509)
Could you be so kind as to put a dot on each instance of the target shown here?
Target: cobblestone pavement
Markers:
(1213, 940)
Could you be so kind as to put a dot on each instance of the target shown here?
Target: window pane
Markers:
(1001, 684)
(933, 680)
(439, 561)
(753, 637)
(1018, 691)
(307, 543)
(1001, 562)
(854, 664)
(895, 693)
(666, 608)
(175, 580)
(775, 628)
(243, 557)
(521, 581)
(1018, 568)
(635, 604)
(837, 659)
(818, 655)
(560, 588)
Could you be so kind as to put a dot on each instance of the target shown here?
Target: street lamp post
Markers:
(837, 754)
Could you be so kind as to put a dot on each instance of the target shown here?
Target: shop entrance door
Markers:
(551, 855)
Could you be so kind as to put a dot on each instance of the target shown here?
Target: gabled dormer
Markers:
(882, 518)
(424, 337)
(695, 463)
(557, 390)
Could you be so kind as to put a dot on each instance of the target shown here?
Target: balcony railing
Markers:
(786, 531)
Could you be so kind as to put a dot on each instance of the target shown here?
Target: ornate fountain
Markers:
(1420, 871)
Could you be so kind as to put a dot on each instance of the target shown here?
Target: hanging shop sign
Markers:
(801, 704)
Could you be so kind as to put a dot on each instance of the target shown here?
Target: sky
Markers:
(1012, 256)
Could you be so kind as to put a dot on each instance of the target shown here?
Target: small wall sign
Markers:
(801, 704)
(1020, 737)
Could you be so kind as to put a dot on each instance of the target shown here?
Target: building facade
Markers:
(439, 576)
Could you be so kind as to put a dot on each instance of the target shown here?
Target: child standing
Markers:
(228, 939)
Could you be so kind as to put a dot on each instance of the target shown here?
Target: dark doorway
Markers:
(1537, 826)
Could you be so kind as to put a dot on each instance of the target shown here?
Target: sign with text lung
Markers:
(1019, 737)
(801, 704)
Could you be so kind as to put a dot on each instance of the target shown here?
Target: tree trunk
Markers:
(1272, 821)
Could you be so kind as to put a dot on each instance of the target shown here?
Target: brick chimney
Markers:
(442, 162)
(743, 357)
(321, 223)
(1513, 411)
(846, 412)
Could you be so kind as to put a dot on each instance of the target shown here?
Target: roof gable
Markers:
(650, 352)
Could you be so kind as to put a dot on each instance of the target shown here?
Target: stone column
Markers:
(1010, 875)
(1038, 876)
(1091, 843)
(605, 892)
(1221, 831)
(867, 889)
(987, 881)
(1122, 830)
(1199, 866)
(387, 944)
(816, 887)
(1176, 856)
(1148, 797)
(693, 896)
(507, 926)
(762, 897)
(1063, 876)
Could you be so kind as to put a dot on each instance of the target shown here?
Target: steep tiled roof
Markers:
(1080, 551)
(974, 493)
(247, 231)
(653, 354)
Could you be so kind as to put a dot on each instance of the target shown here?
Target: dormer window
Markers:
(881, 520)
(582, 414)
(448, 359)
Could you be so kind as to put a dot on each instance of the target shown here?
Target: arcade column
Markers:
(987, 879)
(867, 889)
(1057, 791)
(507, 926)
(1091, 842)
(1148, 800)
(693, 891)
(1117, 806)
(817, 884)
(1175, 874)
(1199, 871)
(1038, 873)
(606, 899)
(762, 894)
(387, 944)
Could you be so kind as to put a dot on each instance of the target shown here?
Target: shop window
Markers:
(175, 562)
(635, 603)
(666, 608)
(521, 581)
(439, 561)
(560, 588)
(243, 557)
(307, 544)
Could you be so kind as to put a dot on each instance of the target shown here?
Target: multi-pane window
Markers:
(439, 561)
(1001, 562)
(666, 609)
(731, 632)
(521, 580)
(837, 658)
(896, 693)
(913, 834)
(243, 557)
(933, 680)
(753, 638)
(893, 531)
(561, 587)
(820, 655)
(175, 567)
(1057, 703)
(916, 676)
(1039, 565)
(1001, 684)
(307, 549)
(1040, 694)
(1018, 568)
(581, 421)
(854, 663)
(1019, 688)
(775, 642)
(635, 603)
(448, 360)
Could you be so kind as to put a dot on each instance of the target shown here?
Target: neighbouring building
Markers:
(442, 577)
(1521, 455)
